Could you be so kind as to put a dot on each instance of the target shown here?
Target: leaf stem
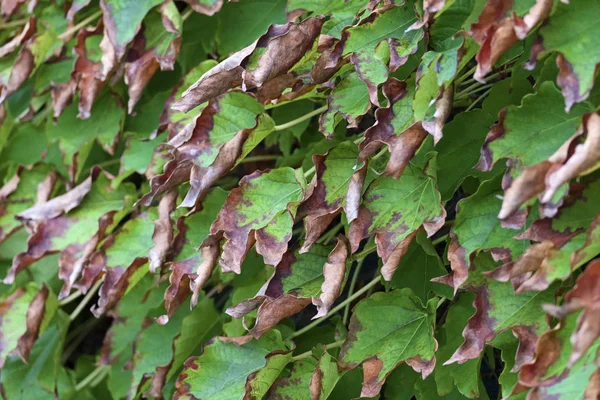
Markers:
(337, 308)
(86, 299)
(309, 171)
(187, 14)
(265, 157)
(14, 24)
(478, 99)
(300, 119)
(439, 240)
(99, 371)
(330, 234)
(464, 95)
(309, 353)
(66, 35)
(76, 294)
(464, 76)
(366, 251)
(351, 289)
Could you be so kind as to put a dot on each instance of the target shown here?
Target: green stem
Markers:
(464, 76)
(66, 35)
(464, 95)
(14, 24)
(309, 171)
(187, 14)
(330, 234)
(366, 251)
(86, 299)
(439, 240)
(75, 295)
(266, 157)
(309, 353)
(478, 99)
(300, 119)
(351, 289)
(88, 379)
(337, 308)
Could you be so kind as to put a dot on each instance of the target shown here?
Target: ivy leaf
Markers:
(119, 258)
(348, 99)
(208, 147)
(499, 309)
(296, 279)
(553, 258)
(463, 377)
(75, 229)
(234, 367)
(419, 265)
(296, 384)
(395, 128)
(123, 19)
(364, 44)
(192, 231)
(260, 210)
(477, 228)
(17, 195)
(396, 220)
(578, 55)
(541, 119)
(24, 314)
(325, 377)
(404, 332)
(333, 179)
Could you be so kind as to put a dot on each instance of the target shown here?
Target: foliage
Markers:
(185, 184)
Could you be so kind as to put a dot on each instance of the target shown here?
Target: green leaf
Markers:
(226, 370)
(251, 19)
(540, 119)
(579, 47)
(418, 267)
(394, 210)
(264, 202)
(349, 99)
(294, 386)
(393, 327)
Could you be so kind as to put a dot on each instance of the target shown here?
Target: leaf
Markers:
(541, 119)
(77, 232)
(231, 368)
(499, 309)
(364, 44)
(296, 279)
(325, 376)
(192, 231)
(341, 12)
(464, 377)
(122, 20)
(395, 128)
(207, 7)
(334, 274)
(333, 179)
(208, 147)
(348, 99)
(260, 210)
(404, 332)
(272, 55)
(553, 258)
(294, 386)
(497, 30)
(21, 321)
(578, 55)
(458, 154)
(17, 195)
(119, 257)
(418, 267)
(477, 228)
(395, 220)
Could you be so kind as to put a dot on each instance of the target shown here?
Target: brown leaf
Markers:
(486, 160)
(334, 271)
(163, 231)
(28, 31)
(8, 7)
(532, 260)
(528, 184)
(203, 8)
(496, 31)
(283, 45)
(459, 262)
(35, 316)
(210, 255)
(443, 107)
(20, 72)
(392, 261)
(585, 157)
(586, 295)
(402, 146)
(354, 194)
(85, 74)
